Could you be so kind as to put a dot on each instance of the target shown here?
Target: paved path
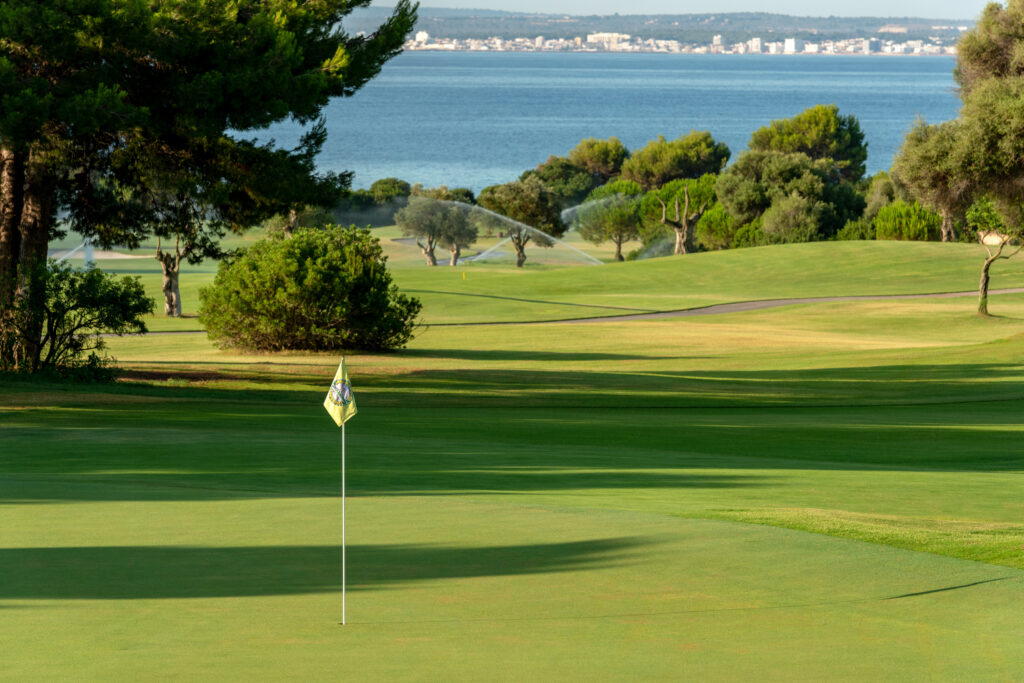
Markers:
(741, 306)
(716, 309)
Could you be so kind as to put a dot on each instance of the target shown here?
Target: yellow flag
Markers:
(340, 401)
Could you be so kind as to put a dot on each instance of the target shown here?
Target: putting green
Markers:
(465, 590)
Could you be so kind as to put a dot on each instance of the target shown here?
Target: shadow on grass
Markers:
(141, 572)
(509, 355)
(507, 431)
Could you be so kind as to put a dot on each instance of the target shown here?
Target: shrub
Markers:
(715, 229)
(80, 305)
(860, 229)
(903, 221)
(321, 290)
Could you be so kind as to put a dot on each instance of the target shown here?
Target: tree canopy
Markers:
(760, 181)
(535, 211)
(566, 181)
(95, 95)
(601, 158)
(926, 168)
(820, 133)
(611, 214)
(689, 156)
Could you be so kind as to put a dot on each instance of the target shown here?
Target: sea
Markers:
(472, 119)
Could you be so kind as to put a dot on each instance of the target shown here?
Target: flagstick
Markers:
(342, 523)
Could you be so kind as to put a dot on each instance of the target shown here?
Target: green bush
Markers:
(321, 290)
(715, 229)
(63, 338)
(910, 222)
(860, 229)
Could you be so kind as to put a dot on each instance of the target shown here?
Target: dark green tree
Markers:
(611, 213)
(601, 158)
(92, 92)
(757, 180)
(534, 212)
(80, 307)
(566, 181)
(389, 189)
(678, 205)
(689, 156)
(989, 133)
(924, 166)
(321, 290)
(820, 133)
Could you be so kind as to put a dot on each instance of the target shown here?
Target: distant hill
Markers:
(687, 28)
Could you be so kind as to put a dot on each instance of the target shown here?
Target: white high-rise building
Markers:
(793, 46)
(754, 45)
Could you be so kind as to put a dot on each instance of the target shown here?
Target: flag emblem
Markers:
(341, 393)
(341, 401)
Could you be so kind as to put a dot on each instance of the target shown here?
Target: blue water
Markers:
(474, 119)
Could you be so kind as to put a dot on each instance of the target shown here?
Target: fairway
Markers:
(823, 491)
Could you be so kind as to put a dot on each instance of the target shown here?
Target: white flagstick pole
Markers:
(342, 523)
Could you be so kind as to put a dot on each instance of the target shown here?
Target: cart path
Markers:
(742, 306)
(714, 309)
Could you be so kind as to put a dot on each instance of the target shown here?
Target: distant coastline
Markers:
(626, 43)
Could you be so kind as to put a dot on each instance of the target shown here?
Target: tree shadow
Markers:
(510, 355)
(171, 572)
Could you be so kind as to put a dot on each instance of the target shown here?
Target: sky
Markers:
(945, 9)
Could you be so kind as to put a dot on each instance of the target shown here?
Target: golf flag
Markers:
(340, 401)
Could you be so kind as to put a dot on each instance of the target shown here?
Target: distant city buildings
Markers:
(623, 42)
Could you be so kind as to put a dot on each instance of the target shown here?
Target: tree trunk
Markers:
(37, 218)
(680, 241)
(428, 251)
(12, 187)
(520, 247)
(983, 284)
(456, 252)
(948, 230)
(291, 223)
(618, 250)
(170, 264)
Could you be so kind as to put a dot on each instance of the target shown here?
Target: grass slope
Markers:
(612, 500)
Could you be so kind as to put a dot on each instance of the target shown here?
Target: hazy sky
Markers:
(948, 9)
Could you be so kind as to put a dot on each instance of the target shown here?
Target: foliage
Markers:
(566, 181)
(530, 205)
(903, 221)
(611, 213)
(716, 230)
(795, 218)
(387, 189)
(883, 189)
(993, 48)
(601, 158)
(757, 180)
(675, 208)
(820, 133)
(925, 166)
(983, 218)
(117, 115)
(321, 290)
(437, 222)
(689, 156)
(985, 156)
(860, 229)
(79, 307)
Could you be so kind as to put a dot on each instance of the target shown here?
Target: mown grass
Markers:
(617, 500)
